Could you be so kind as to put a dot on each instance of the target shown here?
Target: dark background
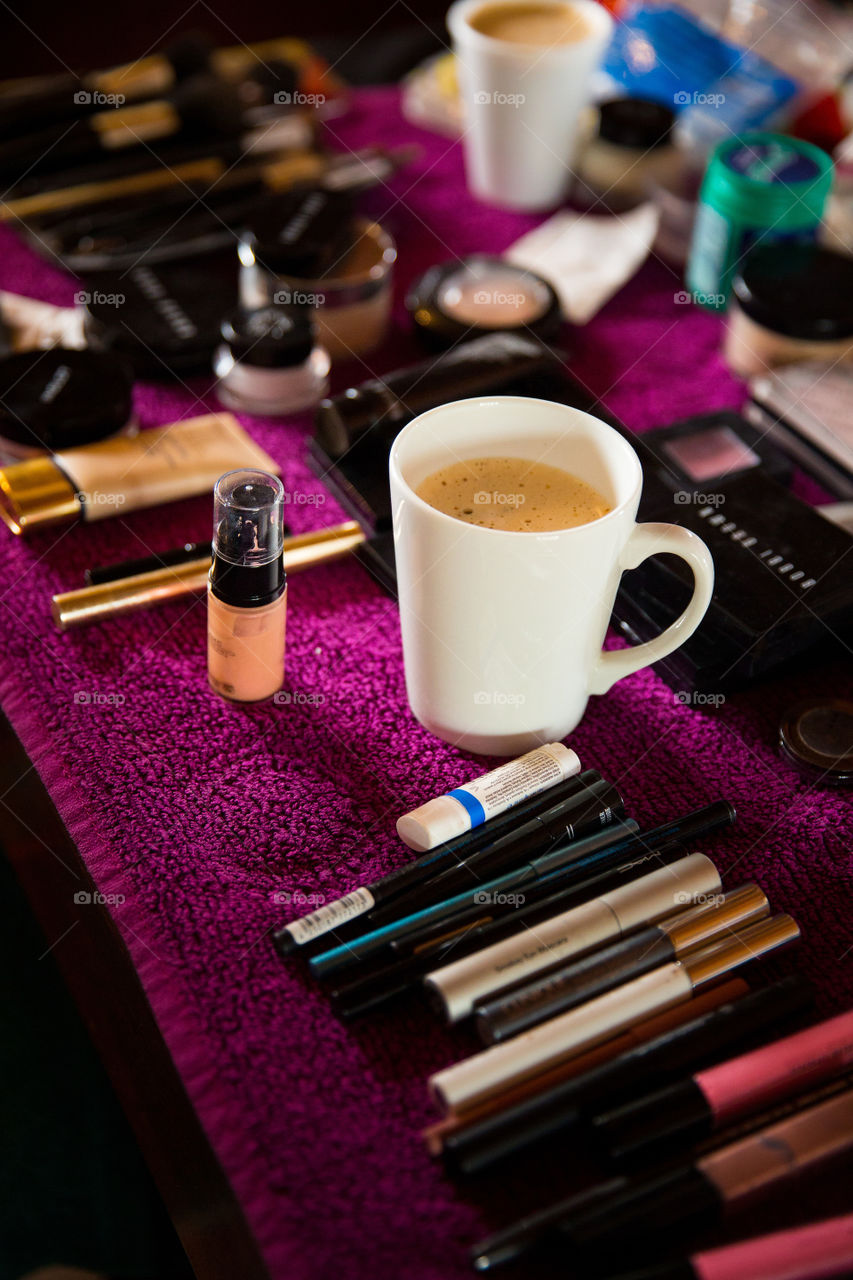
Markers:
(369, 40)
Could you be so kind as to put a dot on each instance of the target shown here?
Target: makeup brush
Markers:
(355, 171)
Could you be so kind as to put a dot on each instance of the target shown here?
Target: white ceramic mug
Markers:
(522, 105)
(502, 631)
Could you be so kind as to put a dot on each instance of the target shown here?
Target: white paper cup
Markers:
(522, 105)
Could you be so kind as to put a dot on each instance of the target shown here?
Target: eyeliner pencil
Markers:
(412, 874)
(418, 927)
(556, 1112)
(583, 825)
(463, 936)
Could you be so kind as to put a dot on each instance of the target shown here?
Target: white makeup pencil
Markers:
(468, 1083)
(455, 988)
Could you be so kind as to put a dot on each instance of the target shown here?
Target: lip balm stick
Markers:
(457, 987)
(484, 798)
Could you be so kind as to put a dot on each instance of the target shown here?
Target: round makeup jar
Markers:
(632, 149)
(789, 303)
(269, 362)
(62, 398)
(479, 294)
(817, 738)
(352, 303)
(759, 188)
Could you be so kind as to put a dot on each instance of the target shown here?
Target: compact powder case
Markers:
(480, 294)
(817, 738)
(61, 398)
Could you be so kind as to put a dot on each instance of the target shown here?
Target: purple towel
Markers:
(202, 813)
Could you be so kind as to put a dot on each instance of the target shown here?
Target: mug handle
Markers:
(650, 540)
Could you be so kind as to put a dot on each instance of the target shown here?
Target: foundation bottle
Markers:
(247, 590)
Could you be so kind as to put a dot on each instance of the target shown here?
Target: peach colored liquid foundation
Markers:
(247, 592)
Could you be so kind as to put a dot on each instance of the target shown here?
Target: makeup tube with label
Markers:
(457, 987)
(247, 593)
(469, 806)
(125, 473)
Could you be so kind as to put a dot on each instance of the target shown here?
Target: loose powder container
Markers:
(479, 295)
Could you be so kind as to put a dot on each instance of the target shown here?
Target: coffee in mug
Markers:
(538, 24)
(512, 493)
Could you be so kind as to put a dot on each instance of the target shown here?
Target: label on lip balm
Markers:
(324, 919)
(483, 798)
(499, 790)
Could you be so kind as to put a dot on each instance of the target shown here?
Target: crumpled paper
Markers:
(587, 259)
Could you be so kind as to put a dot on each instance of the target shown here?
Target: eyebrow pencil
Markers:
(644, 846)
(469, 903)
(583, 860)
(554, 1113)
(454, 1126)
(478, 927)
(109, 599)
(688, 826)
(468, 1082)
(570, 985)
(395, 884)
(455, 988)
(581, 812)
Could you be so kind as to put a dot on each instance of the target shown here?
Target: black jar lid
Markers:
(639, 123)
(482, 294)
(817, 737)
(800, 290)
(272, 337)
(61, 398)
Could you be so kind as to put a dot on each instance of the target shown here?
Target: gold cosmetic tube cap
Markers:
(698, 925)
(35, 493)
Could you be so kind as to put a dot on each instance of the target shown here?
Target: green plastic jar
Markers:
(758, 188)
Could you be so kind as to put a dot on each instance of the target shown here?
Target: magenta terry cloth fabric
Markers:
(201, 812)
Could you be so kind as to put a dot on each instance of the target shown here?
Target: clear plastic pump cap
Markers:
(248, 518)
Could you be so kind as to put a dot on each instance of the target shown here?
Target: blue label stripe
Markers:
(475, 810)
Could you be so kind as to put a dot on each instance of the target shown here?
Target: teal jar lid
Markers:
(768, 180)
